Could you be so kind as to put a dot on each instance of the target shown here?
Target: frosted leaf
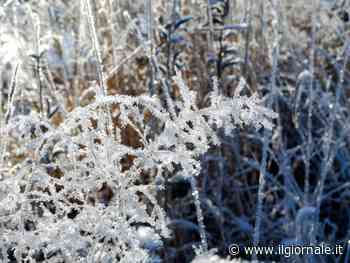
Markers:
(243, 110)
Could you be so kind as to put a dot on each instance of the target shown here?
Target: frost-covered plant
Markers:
(58, 192)
(75, 194)
(138, 131)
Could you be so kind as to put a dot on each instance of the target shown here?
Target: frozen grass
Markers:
(164, 131)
